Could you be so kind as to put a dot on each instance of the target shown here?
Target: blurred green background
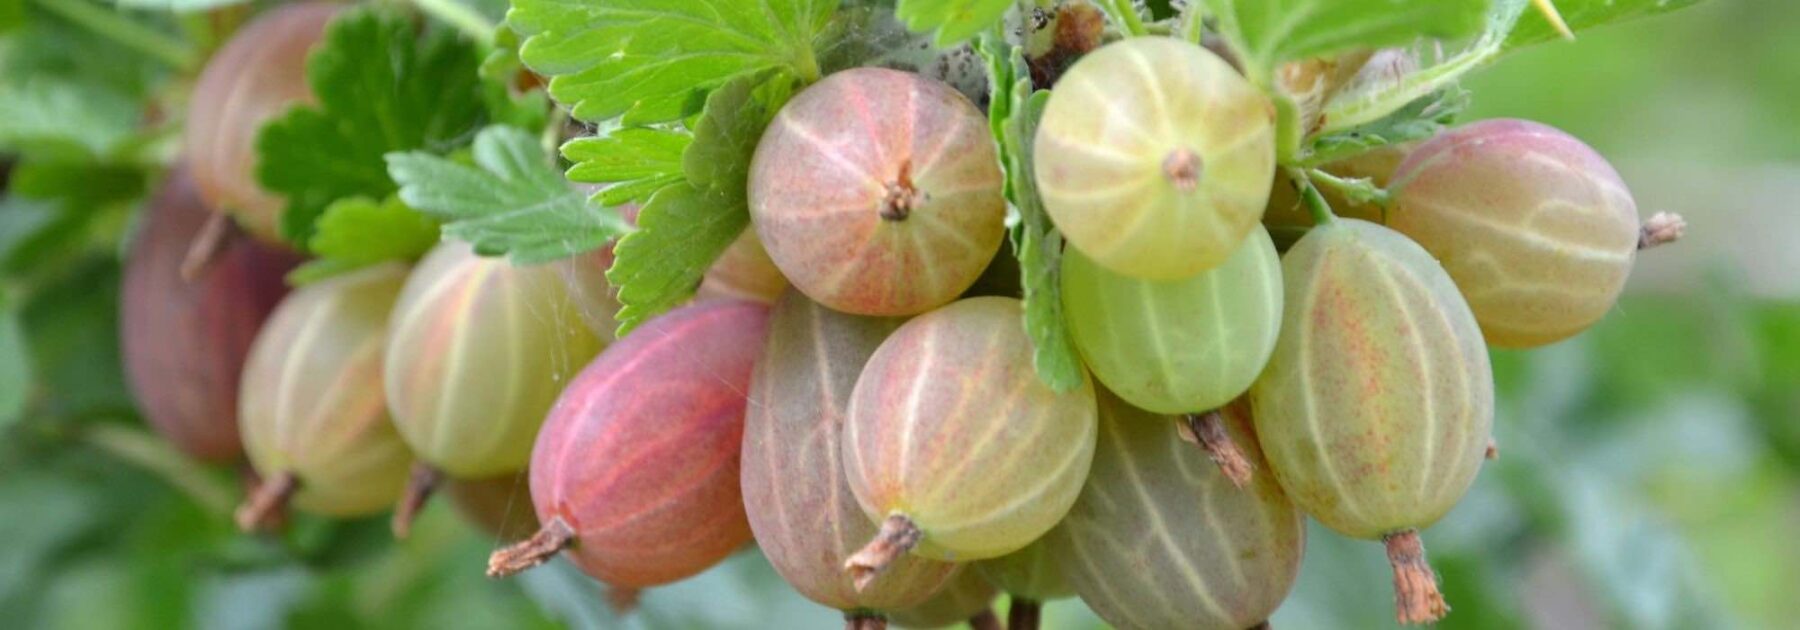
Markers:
(1649, 473)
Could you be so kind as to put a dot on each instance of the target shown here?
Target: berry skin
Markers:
(635, 472)
(1536, 228)
(955, 445)
(1162, 539)
(966, 598)
(311, 409)
(1154, 157)
(477, 352)
(878, 192)
(1377, 408)
(800, 507)
(254, 77)
(1177, 346)
(478, 349)
(185, 341)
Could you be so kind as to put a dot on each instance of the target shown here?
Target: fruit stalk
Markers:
(865, 621)
(1208, 430)
(1662, 228)
(259, 510)
(212, 239)
(1024, 614)
(554, 537)
(897, 536)
(1416, 596)
(423, 482)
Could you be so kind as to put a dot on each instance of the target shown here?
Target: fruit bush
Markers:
(799, 313)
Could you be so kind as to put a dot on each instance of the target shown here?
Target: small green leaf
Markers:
(1268, 32)
(955, 21)
(513, 201)
(685, 226)
(15, 366)
(1014, 116)
(74, 120)
(357, 232)
(638, 161)
(725, 137)
(646, 59)
(1421, 119)
(1582, 15)
(381, 88)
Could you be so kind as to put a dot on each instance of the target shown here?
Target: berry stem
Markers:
(263, 505)
(211, 240)
(897, 536)
(1208, 430)
(1024, 614)
(902, 197)
(1309, 194)
(1416, 596)
(1357, 190)
(419, 488)
(1662, 228)
(985, 620)
(555, 536)
(622, 599)
(865, 621)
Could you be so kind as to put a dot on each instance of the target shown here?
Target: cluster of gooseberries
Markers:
(845, 394)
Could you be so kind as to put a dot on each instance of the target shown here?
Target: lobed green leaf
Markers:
(357, 232)
(512, 201)
(686, 226)
(646, 60)
(1013, 116)
(1269, 32)
(637, 161)
(953, 21)
(381, 87)
(1419, 120)
(1533, 27)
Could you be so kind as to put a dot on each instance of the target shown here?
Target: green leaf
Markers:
(1581, 15)
(75, 120)
(685, 226)
(955, 21)
(513, 201)
(15, 366)
(1014, 116)
(381, 88)
(638, 161)
(357, 232)
(1268, 32)
(647, 59)
(681, 231)
(1421, 119)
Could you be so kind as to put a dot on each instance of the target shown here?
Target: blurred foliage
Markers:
(1649, 474)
